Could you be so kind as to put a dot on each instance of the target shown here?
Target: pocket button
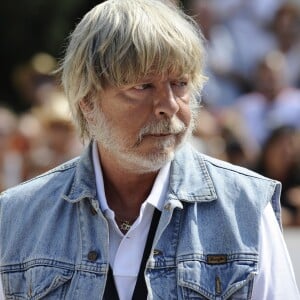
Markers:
(92, 256)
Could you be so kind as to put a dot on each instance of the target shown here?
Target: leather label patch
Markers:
(216, 259)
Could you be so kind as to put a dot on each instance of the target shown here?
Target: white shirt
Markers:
(275, 279)
(126, 251)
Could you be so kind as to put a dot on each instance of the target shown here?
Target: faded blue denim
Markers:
(54, 239)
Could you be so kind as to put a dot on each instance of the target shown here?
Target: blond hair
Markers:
(119, 42)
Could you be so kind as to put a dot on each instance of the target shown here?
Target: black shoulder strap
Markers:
(140, 290)
(110, 292)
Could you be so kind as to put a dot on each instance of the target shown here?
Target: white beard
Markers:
(128, 155)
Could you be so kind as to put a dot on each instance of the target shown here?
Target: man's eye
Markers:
(180, 83)
(141, 87)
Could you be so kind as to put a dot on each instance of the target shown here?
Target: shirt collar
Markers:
(188, 177)
(156, 197)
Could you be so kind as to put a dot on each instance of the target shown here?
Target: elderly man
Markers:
(140, 214)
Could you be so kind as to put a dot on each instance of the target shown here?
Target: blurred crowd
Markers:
(250, 111)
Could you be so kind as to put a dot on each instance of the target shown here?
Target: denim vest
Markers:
(54, 238)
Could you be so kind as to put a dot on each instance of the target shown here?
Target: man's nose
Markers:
(166, 102)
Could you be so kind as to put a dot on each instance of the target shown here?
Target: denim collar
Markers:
(186, 169)
(84, 183)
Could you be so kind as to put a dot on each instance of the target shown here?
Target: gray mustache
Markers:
(165, 126)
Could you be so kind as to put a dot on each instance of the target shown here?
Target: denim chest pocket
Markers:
(38, 282)
(203, 281)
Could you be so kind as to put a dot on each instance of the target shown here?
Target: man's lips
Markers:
(160, 134)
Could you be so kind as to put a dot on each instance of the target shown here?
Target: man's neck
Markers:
(125, 190)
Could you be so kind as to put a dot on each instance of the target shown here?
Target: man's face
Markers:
(142, 125)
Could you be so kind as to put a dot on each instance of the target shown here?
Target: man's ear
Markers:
(86, 105)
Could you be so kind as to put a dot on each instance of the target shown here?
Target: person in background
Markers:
(11, 162)
(225, 83)
(247, 21)
(140, 214)
(279, 159)
(56, 142)
(285, 28)
(271, 104)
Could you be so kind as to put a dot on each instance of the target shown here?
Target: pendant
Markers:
(125, 226)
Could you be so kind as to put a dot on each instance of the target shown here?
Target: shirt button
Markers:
(92, 256)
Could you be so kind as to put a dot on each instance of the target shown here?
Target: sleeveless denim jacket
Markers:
(54, 238)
